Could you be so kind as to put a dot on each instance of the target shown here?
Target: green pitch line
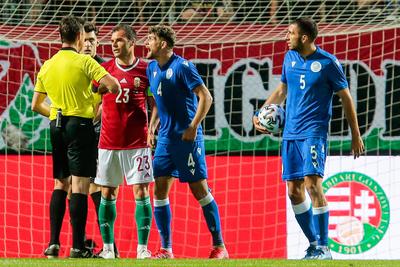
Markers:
(194, 263)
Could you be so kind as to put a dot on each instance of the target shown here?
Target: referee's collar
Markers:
(69, 48)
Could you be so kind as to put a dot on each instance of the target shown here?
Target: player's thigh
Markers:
(314, 154)
(109, 169)
(292, 160)
(59, 152)
(136, 165)
(190, 159)
(163, 165)
(82, 159)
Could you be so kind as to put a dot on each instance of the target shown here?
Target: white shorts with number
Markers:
(134, 164)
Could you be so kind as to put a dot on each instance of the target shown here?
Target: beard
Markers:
(298, 46)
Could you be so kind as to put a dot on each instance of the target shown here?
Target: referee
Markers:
(65, 79)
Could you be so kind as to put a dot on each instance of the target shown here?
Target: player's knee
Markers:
(296, 195)
(109, 193)
(62, 184)
(314, 191)
(160, 192)
(199, 189)
(141, 190)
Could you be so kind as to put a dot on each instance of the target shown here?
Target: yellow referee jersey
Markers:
(66, 79)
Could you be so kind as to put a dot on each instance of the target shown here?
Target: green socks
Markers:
(143, 215)
(107, 215)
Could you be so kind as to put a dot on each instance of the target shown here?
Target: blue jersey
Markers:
(311, 83)
(172, 86)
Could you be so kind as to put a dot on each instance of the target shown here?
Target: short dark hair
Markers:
(164, 32)
(307, 27)
(90, 27)
(130, 33)
(69, 28)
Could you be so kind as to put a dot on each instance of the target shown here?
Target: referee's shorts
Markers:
(74, 147)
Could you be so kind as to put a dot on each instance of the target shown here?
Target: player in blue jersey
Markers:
(310, 77)
(176, 84)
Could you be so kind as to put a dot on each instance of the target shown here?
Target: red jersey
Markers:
(124, 115)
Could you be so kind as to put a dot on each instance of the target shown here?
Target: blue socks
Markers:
(211, 214)
(304, 216)
(162, 215)
(321, 223)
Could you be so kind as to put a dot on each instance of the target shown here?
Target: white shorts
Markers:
(134, 164)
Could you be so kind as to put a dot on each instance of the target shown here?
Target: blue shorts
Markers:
(303, 157)
(185, 160)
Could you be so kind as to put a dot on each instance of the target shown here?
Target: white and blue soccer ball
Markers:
(272, 118)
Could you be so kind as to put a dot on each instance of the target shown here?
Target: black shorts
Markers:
(73, 145)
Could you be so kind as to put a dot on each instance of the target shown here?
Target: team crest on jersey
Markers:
(316, 66)
(169, 73)
(359, 212)
(136, 82)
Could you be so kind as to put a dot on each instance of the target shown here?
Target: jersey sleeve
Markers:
(93, 69)
(148, 71)
(190, 76)
(96, 99)
(283, 76)
(336, 77)
(39, 87)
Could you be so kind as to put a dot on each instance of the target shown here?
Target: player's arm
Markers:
(205, 101)
(39, 104)
(153, 125)
(357, 144)
(98, 73)
(108, 84)
(277, 97)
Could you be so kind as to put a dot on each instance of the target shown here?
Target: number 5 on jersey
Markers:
(302, 81)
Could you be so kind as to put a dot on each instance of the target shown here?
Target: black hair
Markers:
(164, 32)
(90, 27)
(69, 28)
(129, 32)
(307, 27)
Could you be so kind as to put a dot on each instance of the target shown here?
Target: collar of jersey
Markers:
(166, 66)
(310, 56)
(128, 67)
(69, 48)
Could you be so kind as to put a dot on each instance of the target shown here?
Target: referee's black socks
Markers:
(78, 209)
(57, 211)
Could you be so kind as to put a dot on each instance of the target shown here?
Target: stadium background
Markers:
(240, 62)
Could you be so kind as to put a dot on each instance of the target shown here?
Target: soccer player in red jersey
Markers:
(123, 149)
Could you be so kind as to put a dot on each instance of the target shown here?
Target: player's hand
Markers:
(151, 140)
(357, 146)
(189, 135)
(259, 128)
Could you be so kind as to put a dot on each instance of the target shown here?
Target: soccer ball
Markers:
(272, 118)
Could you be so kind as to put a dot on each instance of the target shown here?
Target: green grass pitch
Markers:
(194, 263)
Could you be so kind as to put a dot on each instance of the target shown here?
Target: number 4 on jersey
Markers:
(159, 92)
